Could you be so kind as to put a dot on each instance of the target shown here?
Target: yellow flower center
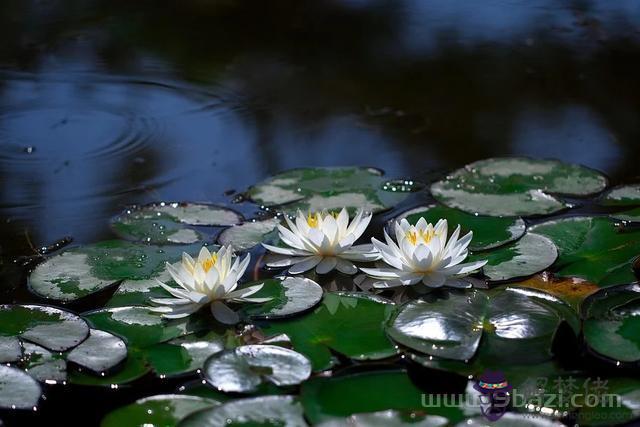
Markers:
(312, 219)
(412, 236)
(208, 263)
(427, 235)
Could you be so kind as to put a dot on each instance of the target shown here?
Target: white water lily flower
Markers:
(324, 241)
(421, 253)
(211, 279)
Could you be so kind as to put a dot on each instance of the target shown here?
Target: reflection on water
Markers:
(106, 103)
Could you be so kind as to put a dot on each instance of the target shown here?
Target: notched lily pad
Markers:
(516, 186)
(100, 352)
(43, 365)
(142, 327)
(50, 327)
(184, 354)
(488, 232)
(135, 367)
(81, 271)
(624, 195)
(529, 255)
(612, 326)
(17, 389)
(326, 188)
(244, 368)
(593, 248)
(164, 410)
(161, 223)
(10, 349)
(280, 411)
(317, 333)
(247, 235)
(514, 324)
(290, 296)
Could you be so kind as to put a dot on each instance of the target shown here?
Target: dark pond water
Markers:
(109, 103)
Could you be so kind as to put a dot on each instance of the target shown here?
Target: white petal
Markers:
(343, 222)
(346, 267)
(284, 251)
(434, 280)
(465, 268)
(305, 264)
(245, 292)
(382, 273)
(204, 254)
(326, 265)
(224, 314)
(277, 261)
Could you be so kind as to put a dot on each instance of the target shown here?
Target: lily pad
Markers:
(529, 255)
(624, 195)
(514, 324)
(488, 232)
(247, 235)
(325, 398)
(612, 327)
(164, 410)
(511, 419)
(162, 223)
(630, 215)
(81, 271)
(314, 189)
(244, 368)
(141, 327)
(184, 354)
(52, 328)
(100, 352)
(135, 367)
(388, 418)
(516, 186)
(280, 411)
(571, 290)
(10, 349)
(17, 389)
(349, 324)
(43, 365)
(290, 296)
(593, 248)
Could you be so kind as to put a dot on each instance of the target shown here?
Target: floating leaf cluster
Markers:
(328, 348)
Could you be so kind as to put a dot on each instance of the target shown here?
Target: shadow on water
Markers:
(109, 103)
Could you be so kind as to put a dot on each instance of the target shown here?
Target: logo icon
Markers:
(494, 394)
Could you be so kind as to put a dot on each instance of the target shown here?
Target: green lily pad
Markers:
(10, 349)
(81, 271)
(619, 402)
(516, 186)
(593, 248)
(280, 411)
(17, 389)
(135, 367)
(488, 232)
(162, 223)
(244, 368)
(141, 327)
(525, 257)
(612, 327)
(184, 354)
(514, 324)
(290, 296)
(350, 324)
(247, 235)
(630, 215)
(43, 365)
(510, 419)
(388, 418)
(325, 398)
(100, 352)
(164, 410)
(624, 195)
(50, 327)
(315, 189)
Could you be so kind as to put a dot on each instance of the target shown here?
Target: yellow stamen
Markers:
(412, 236)
(312, 219)
(427, 235)
(208, 263)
